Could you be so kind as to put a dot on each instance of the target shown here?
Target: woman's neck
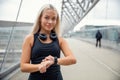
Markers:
(45, 32)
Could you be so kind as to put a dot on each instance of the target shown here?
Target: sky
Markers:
(108, 13)
(28, 11)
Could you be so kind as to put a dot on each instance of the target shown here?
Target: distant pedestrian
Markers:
(98, 38)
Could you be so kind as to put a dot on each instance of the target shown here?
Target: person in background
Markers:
(98, 38)
(42, 48)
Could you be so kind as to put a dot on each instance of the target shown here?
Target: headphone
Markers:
(43, 37)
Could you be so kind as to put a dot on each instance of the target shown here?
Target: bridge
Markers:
(80, 20)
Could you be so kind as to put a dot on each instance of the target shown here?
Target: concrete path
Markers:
(92, 63)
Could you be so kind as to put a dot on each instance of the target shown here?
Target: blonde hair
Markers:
(37, 24)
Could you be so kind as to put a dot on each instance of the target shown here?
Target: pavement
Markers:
(93, 63)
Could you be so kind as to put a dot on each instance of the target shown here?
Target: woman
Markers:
(41, 49)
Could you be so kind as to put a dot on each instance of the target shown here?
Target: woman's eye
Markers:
(46, 17)
(54, 19)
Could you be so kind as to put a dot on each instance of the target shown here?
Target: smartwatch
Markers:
(55, 60)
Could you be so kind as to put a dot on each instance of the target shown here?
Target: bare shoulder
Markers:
(61, 40)
(29, 38)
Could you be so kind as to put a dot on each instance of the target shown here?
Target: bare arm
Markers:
(25, 58)
(69, 57)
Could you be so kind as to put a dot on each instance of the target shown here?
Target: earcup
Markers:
(53, 36)
(42, 37)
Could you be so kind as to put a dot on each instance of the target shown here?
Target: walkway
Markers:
(92, 63)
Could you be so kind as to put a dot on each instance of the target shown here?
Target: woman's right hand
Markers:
(42, 67)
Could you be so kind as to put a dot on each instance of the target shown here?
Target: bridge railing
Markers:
(110, 35)
(11, 39)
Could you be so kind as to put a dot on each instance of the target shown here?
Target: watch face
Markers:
(55, 60)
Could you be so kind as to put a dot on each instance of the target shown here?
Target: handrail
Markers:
(11, 23)
(6, 72)
(10, 36)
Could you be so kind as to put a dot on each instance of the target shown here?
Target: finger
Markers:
(43, 60)
(43, 69)
(50, 57)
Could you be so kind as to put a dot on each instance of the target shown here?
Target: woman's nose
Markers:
(50, 21)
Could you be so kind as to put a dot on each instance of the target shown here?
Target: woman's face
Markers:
(48, 19)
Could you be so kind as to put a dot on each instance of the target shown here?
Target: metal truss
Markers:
(73, 11)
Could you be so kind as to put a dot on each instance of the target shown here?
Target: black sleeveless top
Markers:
(41, 50)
